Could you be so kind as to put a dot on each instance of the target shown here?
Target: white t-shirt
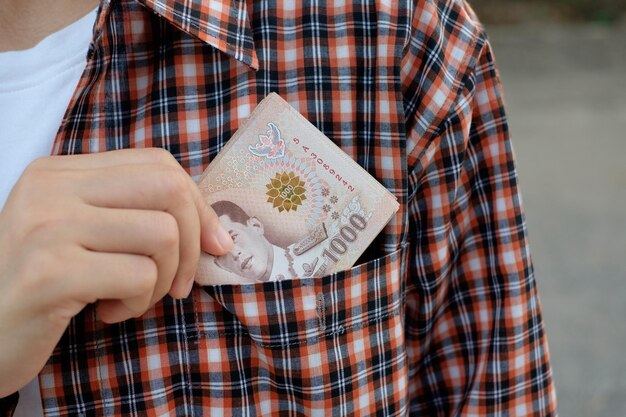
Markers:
(35, 88)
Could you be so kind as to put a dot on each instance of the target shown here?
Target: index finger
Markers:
(109, 159)
(214, 239)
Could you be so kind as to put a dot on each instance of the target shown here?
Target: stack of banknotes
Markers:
(295, 204)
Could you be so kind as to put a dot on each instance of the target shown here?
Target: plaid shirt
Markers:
(442, 315)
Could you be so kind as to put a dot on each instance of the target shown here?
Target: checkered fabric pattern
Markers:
(441, 316)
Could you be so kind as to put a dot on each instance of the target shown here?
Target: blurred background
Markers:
(563, 66)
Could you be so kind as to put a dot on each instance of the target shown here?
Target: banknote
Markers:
(295, 204)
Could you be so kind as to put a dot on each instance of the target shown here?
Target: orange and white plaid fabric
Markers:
(440, 318)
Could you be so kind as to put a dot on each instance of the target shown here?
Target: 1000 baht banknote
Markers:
(295, 204)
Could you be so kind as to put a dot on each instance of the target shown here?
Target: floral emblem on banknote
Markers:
(286, 191)
(270, 145)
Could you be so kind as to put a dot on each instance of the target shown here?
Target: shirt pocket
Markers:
(316, 346)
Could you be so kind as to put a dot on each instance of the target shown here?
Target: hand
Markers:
(120, 228)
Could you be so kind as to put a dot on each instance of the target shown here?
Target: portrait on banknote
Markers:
(256, 256)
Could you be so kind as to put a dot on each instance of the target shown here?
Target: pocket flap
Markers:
(290, 312)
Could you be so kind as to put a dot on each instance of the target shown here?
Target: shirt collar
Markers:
(223, 24)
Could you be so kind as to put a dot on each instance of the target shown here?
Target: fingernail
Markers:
(223, 238)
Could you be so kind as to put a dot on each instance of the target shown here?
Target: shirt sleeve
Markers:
(475, 335)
